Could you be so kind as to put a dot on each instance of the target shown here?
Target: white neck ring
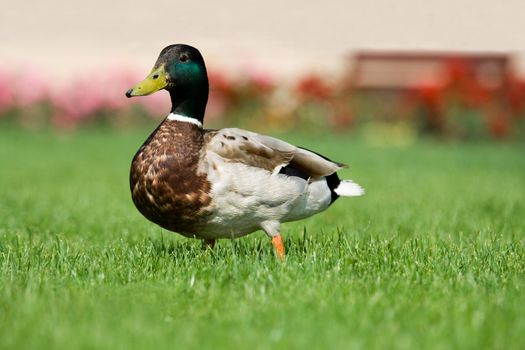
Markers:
(183, 118)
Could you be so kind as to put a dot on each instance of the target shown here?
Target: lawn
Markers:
(432, 257)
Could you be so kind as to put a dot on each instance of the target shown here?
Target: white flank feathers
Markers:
(183, 118)
(348, 188)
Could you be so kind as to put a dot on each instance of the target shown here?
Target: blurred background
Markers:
(391, 71)
(424, 99)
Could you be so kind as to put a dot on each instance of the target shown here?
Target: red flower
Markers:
(429, 95)
(516, 94)
(314, 87)
(458, 70)
(499, 125)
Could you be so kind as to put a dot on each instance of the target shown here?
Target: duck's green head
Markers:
(180, 69)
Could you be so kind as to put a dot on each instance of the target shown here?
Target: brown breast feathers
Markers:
(165, 186)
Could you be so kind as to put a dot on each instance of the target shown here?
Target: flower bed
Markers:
(459, 108)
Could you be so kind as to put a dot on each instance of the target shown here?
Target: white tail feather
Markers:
(348, 188)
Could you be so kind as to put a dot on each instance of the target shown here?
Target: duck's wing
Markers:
(261, 151)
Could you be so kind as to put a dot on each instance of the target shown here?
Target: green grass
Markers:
(432, 257)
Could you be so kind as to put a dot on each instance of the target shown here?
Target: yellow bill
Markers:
(155, 81)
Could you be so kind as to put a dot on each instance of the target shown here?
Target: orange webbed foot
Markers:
(277, 243)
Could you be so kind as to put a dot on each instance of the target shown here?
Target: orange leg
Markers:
(277, 243)
(208, 243)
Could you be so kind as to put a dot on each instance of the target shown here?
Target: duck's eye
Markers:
(183, 58)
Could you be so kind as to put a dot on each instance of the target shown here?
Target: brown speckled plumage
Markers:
(165, 184)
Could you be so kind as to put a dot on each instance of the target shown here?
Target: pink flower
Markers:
(79, 100)
(260, 81)
(156, 105)
(29, 87)
(6, 95)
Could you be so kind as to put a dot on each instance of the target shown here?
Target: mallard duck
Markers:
(211, 184)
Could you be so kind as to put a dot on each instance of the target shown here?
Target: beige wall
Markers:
(285, 37)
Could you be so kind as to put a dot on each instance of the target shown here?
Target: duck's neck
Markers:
(188, 106)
